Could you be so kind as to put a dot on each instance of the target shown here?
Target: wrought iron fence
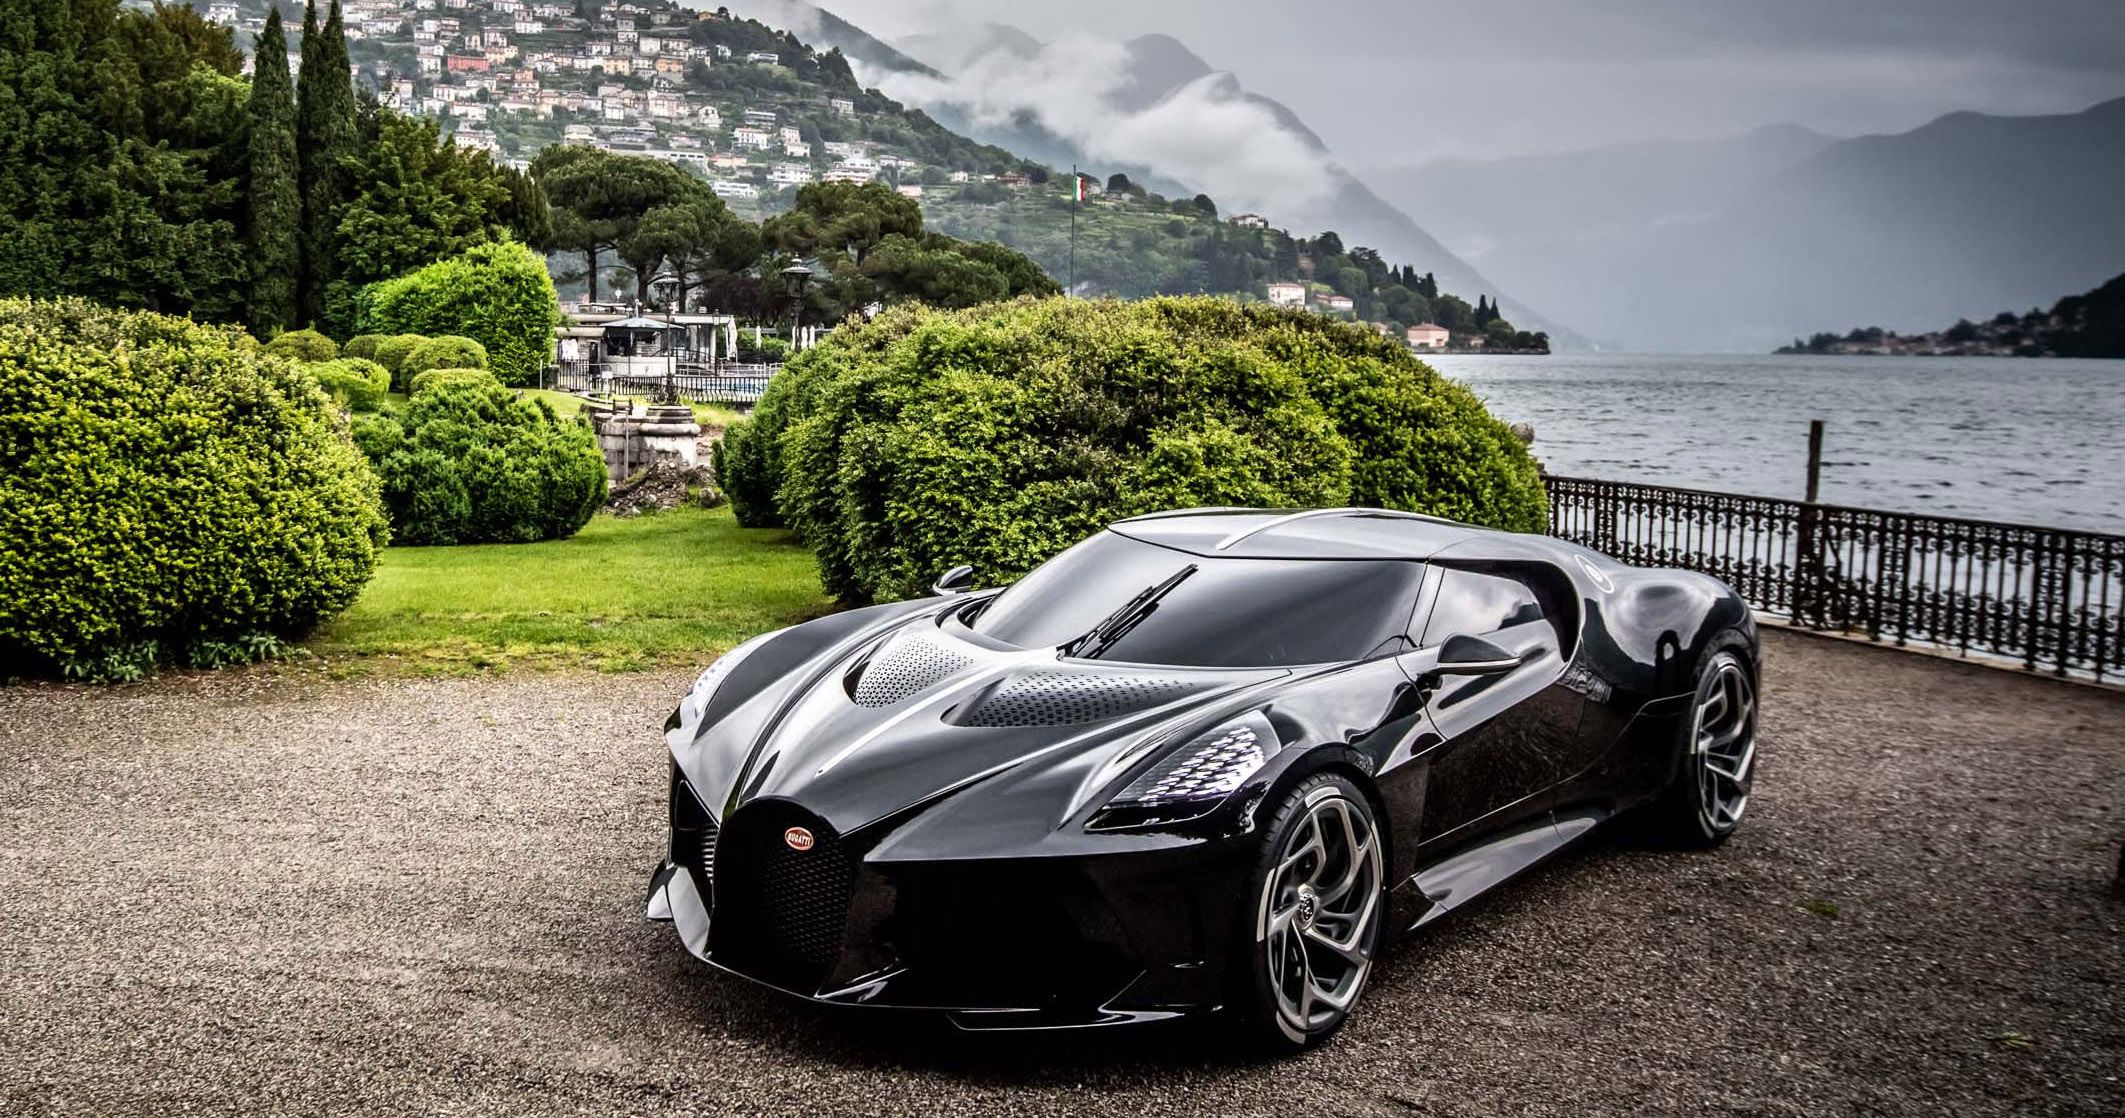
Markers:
(2051, 598)
(722, 382)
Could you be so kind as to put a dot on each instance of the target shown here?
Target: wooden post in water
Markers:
(1807, 564)
(1814, 459)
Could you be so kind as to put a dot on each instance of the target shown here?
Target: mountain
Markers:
(1742, 244)
(1153, 109)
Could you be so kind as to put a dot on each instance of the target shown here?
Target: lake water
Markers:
(2019, 440)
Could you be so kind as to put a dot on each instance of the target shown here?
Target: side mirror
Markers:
(1466, 655)
(958, 580)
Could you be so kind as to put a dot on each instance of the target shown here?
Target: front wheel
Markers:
(1320, 889)
(1718, 746)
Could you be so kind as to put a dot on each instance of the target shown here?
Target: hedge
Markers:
(475, 463)
(355, 384)
(446, 352)
(497, 293)
(303, 345)
(999, 435)
(362, 346)
(436, 378)
(393, 350)
(167, 494)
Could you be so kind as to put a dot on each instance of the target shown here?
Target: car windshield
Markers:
(1116, 598)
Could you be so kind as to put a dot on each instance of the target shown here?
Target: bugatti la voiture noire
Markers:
(1204, 760)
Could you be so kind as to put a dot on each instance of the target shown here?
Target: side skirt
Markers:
(1472, 872)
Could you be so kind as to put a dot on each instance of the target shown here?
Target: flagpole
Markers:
(1077, 190)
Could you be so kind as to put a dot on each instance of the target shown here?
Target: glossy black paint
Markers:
(979, 878)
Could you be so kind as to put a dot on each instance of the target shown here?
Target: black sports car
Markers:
(1203, 760)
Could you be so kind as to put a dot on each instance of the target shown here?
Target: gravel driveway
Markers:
(250, 893)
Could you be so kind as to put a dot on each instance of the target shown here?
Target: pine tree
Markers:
(324, 135)
(274, 214)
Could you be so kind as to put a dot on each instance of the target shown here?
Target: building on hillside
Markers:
(671, 65)
(1250, 221)
(797, 149)
(758, 139)
(911, 190)
(761, 118)
(1287, 294)
(729, 161)
(1338, 304)
(466, 63)
(1427, 335)
(847, 172)
(841, 106)
(731, 188)
(790, 174)
(578, 134)
(763, 58)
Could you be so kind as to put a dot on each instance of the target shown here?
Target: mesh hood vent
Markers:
(907, 665)
(1063, 698)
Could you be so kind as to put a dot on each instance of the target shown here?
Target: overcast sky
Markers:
(1403, 81)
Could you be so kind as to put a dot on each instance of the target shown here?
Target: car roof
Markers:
(1234, 533)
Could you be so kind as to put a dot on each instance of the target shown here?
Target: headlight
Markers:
(704, 688)
(1192, 780)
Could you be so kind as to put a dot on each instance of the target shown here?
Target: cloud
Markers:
(1204, 133)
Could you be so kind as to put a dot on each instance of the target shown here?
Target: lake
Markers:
(2030, 441)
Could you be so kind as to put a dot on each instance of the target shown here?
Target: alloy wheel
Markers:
(1723, 740)
(1319, 913)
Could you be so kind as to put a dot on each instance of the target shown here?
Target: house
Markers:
(960, 176)
(1338, 304)
(761, 118)
(842, 149)
(763, 58)
(1013, 179)
(664, 106)
(756, 138)
(1427, 335)
(1250, 221)
(577, 134)
(911, 190)
(789, 174)
(729, 161)
(709, 117)
(1287, 294)
(791, 136)
(731, 188)
(648, 44)
(466, 63)
(841, 106)
(693, 159)
(846, 173)
(797, 149)
(671, 65)
(221, 13)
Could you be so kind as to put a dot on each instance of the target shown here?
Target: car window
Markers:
(1478, 605)
(1226, 613)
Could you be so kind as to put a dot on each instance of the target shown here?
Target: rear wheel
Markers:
(1320, 899)
(1718, 745)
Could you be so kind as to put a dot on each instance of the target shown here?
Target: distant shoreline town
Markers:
(2088, 325)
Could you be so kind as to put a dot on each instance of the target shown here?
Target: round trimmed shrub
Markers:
(392, 352)
(499, 293)
(999, 435)
(475, 463)
(436, 378)
(362, 346)
(447, 352)
(167, 494)
(303, 345)
(355, 384)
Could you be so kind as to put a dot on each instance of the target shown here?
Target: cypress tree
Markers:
(324, 135)
(274, 212)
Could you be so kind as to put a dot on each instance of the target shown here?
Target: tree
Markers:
(698, 237)
(412, 198)
(1118, 183)
(274, 211)
(325, 138)
(599, 197)
(842, 218)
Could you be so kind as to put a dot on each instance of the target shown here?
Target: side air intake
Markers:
(1063, 698)
(910, 663)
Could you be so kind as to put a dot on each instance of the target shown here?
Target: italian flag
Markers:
(1077, 187)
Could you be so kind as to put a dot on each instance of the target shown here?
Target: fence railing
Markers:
(2052, 599)
(721, 382)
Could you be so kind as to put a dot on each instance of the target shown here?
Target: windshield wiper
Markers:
(1117, 625)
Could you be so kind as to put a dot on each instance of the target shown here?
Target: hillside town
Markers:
(703, 90)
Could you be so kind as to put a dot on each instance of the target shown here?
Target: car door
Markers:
(1501, 733)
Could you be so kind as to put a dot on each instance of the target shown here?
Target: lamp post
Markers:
(795, 279)
(665, 287)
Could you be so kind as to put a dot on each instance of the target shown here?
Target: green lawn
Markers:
(623, 594)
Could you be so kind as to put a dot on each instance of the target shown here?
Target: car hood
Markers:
(901, 717)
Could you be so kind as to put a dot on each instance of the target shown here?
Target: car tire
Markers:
(1715, 743)
(1319, 904)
